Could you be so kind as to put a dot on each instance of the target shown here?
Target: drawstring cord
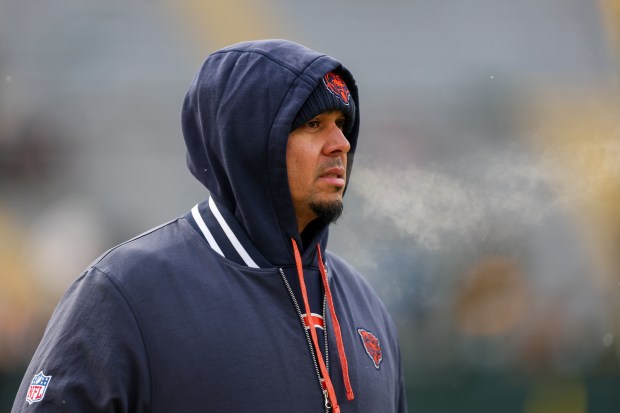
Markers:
(341, 354)
(327, 382)
(315, 340)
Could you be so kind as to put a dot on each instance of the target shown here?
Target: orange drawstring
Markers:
(315, 341)
(341, 354)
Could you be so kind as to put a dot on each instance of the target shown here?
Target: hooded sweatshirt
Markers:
(208, 312)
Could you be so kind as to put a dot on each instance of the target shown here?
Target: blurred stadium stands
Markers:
(484, 206)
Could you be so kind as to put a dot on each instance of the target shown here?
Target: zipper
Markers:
(328, 405)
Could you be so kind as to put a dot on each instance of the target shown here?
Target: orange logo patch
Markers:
(372, 346)
(336, 85)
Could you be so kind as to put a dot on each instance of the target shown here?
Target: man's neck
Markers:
(309, 232)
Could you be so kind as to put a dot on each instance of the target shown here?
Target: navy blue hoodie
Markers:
(202, 313)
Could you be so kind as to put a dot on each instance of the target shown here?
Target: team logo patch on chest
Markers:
(372, 346)
(336, 85)
(37, 388)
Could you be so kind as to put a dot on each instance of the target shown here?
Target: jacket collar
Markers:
(221, 230)
(224, 234)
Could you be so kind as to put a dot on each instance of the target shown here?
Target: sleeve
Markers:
(401, 389)
(92, 356)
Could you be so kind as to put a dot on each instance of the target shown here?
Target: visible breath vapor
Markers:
(432, 205)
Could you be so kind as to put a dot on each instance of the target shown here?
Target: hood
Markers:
(236, 119)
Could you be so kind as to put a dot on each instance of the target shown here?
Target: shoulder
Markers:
(345, 273)
(353, 283)
(360, 301)
(158, 246)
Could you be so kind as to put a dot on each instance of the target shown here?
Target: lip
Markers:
(333, 176)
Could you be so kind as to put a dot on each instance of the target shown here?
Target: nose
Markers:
(335, 143)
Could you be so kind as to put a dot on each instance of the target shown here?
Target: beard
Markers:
(327, 212)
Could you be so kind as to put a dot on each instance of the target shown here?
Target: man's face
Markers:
(316, 162)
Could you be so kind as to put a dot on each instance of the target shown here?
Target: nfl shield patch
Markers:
(37, 388)
(372, 346)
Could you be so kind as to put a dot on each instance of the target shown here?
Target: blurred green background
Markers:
(485, 200)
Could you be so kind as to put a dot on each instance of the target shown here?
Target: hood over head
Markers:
(236, 119)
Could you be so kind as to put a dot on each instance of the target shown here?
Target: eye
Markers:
(340, 124)
(313, 124)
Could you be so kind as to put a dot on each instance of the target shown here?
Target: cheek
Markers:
(301, 164)
(293, 169)
(299, 174)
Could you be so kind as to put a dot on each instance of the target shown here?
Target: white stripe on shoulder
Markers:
(205, 231)
(231, 236)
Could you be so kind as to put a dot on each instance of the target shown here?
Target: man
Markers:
(236, 306)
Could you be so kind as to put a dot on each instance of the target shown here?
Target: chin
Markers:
(327, 211)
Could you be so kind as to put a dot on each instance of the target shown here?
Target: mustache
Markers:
(332, 163)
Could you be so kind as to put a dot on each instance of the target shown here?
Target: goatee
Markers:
(327, 212)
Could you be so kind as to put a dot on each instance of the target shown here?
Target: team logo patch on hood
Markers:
(372, 346)
(37, 388)
(337, 86)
